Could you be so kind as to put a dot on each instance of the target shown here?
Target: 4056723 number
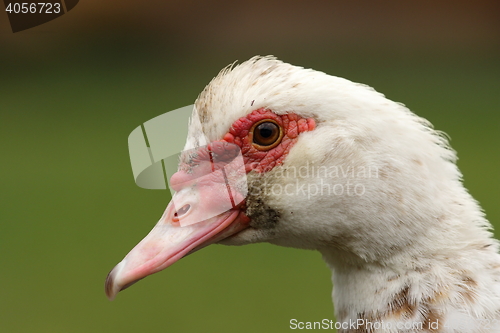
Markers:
(34, 8)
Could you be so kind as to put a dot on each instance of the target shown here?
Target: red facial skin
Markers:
(239, 134)
(201, 162)
(259, 160)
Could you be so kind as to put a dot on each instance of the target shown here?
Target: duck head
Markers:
(299, 158)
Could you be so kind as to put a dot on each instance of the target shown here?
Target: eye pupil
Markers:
(265, 132)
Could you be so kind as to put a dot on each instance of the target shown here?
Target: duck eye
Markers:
(266, 134)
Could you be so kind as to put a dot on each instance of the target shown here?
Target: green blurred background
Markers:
(73, 89)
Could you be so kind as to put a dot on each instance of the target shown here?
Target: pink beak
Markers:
(206, 213)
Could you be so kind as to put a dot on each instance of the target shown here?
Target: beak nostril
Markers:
(183, 210)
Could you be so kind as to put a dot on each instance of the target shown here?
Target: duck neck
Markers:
(421, 291)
